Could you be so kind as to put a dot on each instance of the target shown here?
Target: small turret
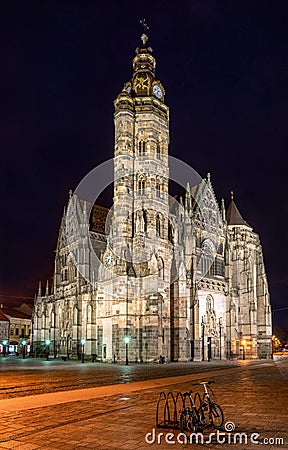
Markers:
(233, 215)
(47, 288)
(188, 197)
(223, 212)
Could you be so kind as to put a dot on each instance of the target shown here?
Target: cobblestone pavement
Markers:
(253, 396)
(21, 377)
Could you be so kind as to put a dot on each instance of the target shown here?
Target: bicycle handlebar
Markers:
(203, 382)
(187, 393)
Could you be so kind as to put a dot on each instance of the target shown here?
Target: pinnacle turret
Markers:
(233, 215)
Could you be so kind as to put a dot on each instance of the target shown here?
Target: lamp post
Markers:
(203, 341)
(126, 340)
(23, 342)
(243, 346)
(220, 338)
(83, 348)
(54, 332)
(67, 345)
(47, 343)
(5, 343)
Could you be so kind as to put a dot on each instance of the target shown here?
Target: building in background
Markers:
(178, 277)
(4, 333)
(17, 336)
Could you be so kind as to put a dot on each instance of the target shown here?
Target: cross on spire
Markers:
(144, 24)
(144, 37)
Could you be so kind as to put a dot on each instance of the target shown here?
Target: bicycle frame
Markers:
(195, 416)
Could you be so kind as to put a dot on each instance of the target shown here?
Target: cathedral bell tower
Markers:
(141, 173)
(138, 241)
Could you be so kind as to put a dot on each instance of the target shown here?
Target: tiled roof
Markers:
(11, 312)
(3, 317)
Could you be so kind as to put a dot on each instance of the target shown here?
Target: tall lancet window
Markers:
(142, 148)
(141, 184)
(158, 188)
(158, 150)
(158, 225)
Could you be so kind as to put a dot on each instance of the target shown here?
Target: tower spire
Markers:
(233, 215)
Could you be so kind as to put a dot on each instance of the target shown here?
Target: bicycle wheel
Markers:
(216, 416)
(188, 421)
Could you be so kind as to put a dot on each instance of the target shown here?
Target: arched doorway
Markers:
(211, 332)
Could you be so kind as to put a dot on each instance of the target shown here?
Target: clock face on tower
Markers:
(157, 91)
(108, 259)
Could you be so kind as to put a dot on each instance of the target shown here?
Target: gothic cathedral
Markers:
(177, 277)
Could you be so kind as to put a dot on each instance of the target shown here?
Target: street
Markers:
(253, 395)
(21, 377)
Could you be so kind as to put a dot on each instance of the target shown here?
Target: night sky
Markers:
(224, 65)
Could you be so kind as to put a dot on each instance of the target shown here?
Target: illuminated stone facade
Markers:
(177, 276)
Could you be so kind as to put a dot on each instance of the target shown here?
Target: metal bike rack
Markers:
(170, 404)
(167, 410)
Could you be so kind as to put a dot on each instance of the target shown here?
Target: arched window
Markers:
(75, 316)
(141, 184)
(158, 225)
(145, 219)
(158, 151)
(72, 270)
(142, 147)
(158, 188)
(141, 187)
(170, 232)
(207, 258)
(65, 274)
(64, 260)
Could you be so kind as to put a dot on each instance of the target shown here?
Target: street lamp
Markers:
(47, 343)
(23, 342)
(126, 340)
(83, 344)
(5, 343)
(275, 344)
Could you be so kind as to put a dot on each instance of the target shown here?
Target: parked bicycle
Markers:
(201, 412)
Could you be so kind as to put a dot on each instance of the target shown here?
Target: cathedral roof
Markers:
(233, 215)
(98, 219)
